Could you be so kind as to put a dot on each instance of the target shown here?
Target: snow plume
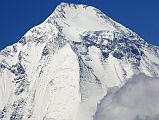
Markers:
(137, 100)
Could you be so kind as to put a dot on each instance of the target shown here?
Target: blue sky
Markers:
(18, 16)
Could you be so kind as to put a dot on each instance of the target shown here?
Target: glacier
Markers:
(63, 68)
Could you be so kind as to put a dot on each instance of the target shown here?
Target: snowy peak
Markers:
(62, 68)
(73, 20)
(76, 19)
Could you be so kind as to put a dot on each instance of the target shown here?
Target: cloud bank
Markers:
(137, 100)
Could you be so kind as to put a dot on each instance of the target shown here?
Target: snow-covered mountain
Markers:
(62, 68)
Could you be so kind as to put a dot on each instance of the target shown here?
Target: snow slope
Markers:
(62, 68)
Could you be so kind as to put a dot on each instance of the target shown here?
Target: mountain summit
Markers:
(62, 68)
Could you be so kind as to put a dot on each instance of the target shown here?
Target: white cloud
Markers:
(137, 100)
